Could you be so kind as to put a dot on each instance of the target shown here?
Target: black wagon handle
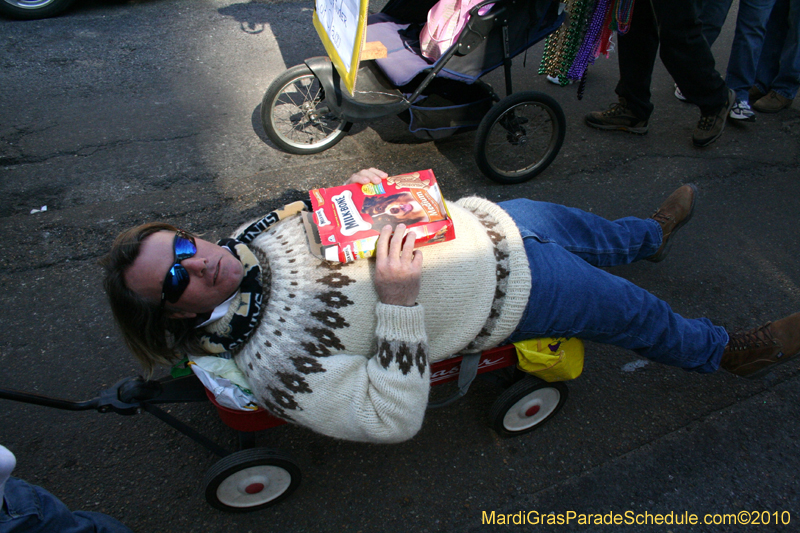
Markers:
(47, 401)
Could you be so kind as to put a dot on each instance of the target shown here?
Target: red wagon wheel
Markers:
(250, 480)
(527, 405)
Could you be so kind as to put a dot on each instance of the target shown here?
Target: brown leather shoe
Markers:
(772, 103)
(672, 215)
(753, 353)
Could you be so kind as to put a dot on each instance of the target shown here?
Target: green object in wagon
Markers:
(180, 369)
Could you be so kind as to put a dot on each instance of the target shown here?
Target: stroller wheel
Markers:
(527, 405)
(295, 116)
(250, 480)
(519, 137)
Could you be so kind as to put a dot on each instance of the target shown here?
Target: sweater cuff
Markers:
(397, 322)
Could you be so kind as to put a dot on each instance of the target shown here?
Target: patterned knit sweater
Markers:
(329, 356)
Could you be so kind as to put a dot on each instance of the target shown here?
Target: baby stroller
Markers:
(307, 109)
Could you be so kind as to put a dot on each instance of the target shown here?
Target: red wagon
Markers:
(253, 478)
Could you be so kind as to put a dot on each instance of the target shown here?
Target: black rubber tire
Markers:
(504, 150)
(527, 405)
(226, 484)
(289, 114)
(33, 9)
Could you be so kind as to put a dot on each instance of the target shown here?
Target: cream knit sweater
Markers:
(329, 356)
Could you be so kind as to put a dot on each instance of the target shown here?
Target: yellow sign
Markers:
(342, 25)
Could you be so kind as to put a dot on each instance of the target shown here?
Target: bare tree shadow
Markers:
(282, 20)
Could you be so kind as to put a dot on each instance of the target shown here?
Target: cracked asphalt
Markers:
(123, 112)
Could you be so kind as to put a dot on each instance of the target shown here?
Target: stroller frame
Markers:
(307, 109)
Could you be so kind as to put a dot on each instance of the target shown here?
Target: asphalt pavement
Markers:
(123, 112)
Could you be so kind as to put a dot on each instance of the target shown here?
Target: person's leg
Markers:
(594, 239)
(770, 58)
(571, 298)
(687, 55)
(602, 242)
(31, 509)
(637, 54)
(712, 14)
(787, 81)
(748, 41)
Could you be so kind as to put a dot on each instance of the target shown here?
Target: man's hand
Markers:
(367, 175)
(398, 267)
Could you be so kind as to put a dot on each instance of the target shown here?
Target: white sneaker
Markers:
(679, 94)
(741, 111)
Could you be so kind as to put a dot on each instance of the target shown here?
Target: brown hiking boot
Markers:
(772, 103)
(753, 353)
(710, 127)
(672, 215)
(617, 117)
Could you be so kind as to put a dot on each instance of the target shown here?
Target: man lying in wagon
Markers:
(345, 350)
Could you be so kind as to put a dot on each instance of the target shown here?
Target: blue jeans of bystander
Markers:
(779, 64)
(27, 508)
(748, 41)
(571, 297)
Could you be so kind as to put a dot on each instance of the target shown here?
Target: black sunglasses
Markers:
(177, 279)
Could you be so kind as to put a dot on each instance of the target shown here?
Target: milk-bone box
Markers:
(345, 221)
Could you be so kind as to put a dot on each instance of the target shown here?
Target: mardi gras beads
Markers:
(562, 45)
(570, 50)
(586, 53)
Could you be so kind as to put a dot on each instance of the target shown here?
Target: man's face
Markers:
(214, 274)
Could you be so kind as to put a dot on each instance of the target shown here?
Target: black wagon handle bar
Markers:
(132, 395)
(47, 401)
(125, 397)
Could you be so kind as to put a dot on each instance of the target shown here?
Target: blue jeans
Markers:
(748, 41)
(570, 297)
(26, 508)
(779, 64)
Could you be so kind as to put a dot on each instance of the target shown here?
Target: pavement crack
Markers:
(84, 150)
(43, 265)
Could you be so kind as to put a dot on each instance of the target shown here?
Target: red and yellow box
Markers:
(345, 221)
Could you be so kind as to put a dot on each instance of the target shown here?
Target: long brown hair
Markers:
(151, 334)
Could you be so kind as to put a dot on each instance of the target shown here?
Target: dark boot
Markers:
(617, 117)
(753, 353)
(711, 126)
(672, 215)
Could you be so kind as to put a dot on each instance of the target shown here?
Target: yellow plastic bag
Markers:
(551, 359)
